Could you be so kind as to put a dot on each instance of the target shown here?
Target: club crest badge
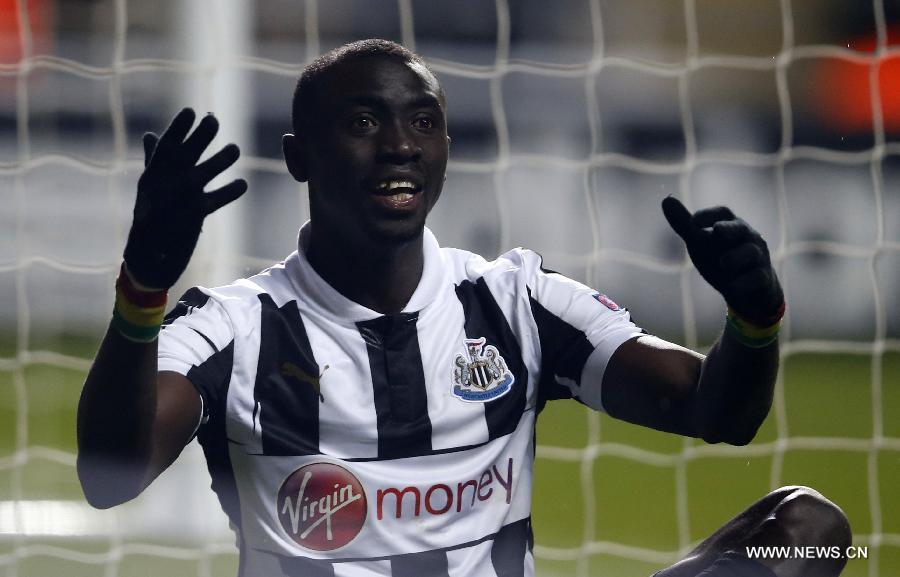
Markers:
(481, 374)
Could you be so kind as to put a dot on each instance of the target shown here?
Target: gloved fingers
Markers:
(742, 258)
(707, 217)
(215, 164)
(678, 217)
(176, 132)
(734, 232)
(150, 139)
(218, 198)
(198, 140)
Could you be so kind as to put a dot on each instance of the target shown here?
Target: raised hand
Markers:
(732, 257)
(171, 203)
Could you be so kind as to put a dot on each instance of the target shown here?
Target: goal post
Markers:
(569, 124)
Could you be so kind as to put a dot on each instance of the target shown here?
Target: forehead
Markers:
(387, 79)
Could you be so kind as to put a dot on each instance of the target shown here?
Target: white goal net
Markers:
(570, 123)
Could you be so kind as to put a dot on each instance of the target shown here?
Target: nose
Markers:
(398, 144)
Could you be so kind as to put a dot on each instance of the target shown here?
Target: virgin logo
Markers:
(322, 506)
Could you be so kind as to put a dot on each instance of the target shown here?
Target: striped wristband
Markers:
(139, 312)
(751, 335)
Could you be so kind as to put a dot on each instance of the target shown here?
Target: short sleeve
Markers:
(197, 341)
(579, 329)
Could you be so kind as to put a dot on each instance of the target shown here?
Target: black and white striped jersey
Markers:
(341, 441)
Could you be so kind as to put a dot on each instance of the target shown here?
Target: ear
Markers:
(294, 151)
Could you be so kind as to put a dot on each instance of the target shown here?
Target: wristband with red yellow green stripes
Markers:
(139, 312)
(751, 335)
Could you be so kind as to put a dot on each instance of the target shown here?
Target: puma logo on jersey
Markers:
(289, 369)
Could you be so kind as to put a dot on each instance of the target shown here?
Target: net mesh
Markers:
(41, 362)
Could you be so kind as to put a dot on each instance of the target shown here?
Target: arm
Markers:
(726, 395)
(133, 421)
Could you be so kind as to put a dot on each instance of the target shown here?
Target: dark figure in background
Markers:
(367, 406)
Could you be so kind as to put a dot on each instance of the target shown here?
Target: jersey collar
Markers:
(316, 291)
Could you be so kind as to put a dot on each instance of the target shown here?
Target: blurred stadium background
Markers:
(570, 122)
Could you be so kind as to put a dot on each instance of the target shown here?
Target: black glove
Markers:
(171, 204)
(732, 257)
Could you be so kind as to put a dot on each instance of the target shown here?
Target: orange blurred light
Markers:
(843, 89)
(10, 28)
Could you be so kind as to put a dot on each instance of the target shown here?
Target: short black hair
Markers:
(312, 75)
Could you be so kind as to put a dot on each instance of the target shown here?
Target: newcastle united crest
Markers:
(481, 374)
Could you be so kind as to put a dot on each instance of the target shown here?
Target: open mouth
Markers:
(397, 193)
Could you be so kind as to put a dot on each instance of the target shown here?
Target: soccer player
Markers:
(367, 406)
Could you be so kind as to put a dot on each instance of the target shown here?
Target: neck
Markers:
(381, 278)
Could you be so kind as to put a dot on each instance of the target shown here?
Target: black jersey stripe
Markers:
(398, 382)
(287, 382)
(304, 567)
(427, 564)
(484, 318)
(510, 546)
(564, 352)
(193, 298)
(212, 379)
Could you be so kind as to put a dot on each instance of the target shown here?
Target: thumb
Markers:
(679, 218)
(150, 140)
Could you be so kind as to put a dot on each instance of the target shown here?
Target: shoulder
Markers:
(276, 281)
(234, 300)
(503, 284)
(516, 265)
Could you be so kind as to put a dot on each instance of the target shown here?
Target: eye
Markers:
(362, 122)
(423, 123)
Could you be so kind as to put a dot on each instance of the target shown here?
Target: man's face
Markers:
(378, 152)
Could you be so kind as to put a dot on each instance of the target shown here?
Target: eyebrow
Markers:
(427, 100)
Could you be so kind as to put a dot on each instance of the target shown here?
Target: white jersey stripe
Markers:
(241, 406)
(454, 423)
(346, 385)
(362, 569)
(463, 562)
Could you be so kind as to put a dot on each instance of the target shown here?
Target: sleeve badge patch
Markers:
(607, 302)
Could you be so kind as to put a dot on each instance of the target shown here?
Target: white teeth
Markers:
(392, 184)
(400, 197)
